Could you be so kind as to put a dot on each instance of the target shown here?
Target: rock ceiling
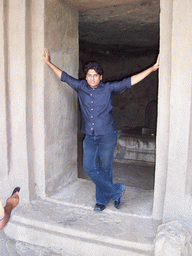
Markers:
(130, 23)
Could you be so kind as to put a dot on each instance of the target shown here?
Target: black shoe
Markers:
(99, 207)
(119, 202)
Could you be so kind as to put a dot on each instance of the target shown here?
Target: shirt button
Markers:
(92, 109)
(92, 123)
(91, 116)
(91, 94)
(91, 129)
(91, 101)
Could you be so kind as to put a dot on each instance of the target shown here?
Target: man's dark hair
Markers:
(93, 65)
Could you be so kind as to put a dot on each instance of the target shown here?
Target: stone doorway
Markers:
(121, 58)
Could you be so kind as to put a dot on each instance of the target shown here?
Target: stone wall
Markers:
(38, 138)
(61, 38)
(172, 194)
(13, 77)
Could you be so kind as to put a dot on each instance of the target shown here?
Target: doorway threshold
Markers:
(81, 193)
(66, 222)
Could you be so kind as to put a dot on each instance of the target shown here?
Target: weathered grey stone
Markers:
(135, 148)
(172, 239)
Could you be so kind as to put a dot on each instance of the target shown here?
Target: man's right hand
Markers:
(47, 59)
(46, 56)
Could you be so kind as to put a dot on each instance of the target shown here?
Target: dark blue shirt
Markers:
(96, 104)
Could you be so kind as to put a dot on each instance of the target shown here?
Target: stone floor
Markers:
(138, 202)
(132, 175)
(68, 216)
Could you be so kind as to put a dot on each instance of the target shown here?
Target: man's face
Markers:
(93, 78)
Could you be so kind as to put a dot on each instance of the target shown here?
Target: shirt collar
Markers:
(101, 84)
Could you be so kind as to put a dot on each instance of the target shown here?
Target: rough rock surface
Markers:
(127, 22)
(172, 239)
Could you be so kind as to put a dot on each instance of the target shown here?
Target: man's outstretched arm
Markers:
(47, 60)
(140, 76)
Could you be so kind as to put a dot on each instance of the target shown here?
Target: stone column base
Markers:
(172, 239)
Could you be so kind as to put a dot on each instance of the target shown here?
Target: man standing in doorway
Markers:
(98, 124)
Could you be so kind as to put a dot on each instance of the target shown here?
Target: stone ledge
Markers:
(75, 229)
(67, 222)
(135, 148)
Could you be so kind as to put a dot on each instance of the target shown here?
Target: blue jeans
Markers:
(98, 164)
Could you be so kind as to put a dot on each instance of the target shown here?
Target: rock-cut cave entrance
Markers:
(125, 47)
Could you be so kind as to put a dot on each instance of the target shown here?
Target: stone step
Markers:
(67, 223)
